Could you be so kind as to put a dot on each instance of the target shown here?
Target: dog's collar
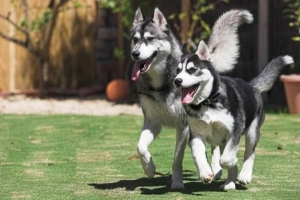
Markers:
(211, 99)
(160, 89)
(153, 89)
(208, 101)
(148, 92)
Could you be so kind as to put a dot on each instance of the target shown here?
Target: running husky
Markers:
(157, 53)
(220, 109)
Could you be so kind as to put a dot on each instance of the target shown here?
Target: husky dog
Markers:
(220, 109)
(157, 53)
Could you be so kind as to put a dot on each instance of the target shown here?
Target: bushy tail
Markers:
(223, 43)
(266, 79)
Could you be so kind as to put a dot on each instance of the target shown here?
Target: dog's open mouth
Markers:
(188, 94)
(142, 66)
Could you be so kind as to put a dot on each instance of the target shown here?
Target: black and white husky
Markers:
(220, 109)
(157, 53)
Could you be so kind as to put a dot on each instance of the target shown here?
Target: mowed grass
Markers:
(84, 157)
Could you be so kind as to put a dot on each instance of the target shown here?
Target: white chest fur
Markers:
(166, 111)
(214, 125)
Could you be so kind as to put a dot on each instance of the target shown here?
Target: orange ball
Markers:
(117, 90)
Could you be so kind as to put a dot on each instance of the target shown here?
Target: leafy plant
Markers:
(36, 24)
(292, 12)
(118, 6)
(125, 7)
(119, 54)
(199, 29)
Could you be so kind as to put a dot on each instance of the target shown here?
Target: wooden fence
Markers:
(72, 58)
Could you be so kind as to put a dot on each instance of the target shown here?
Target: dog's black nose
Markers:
(135, 53)
(178, 82)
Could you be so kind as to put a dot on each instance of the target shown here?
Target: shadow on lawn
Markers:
(191, 187)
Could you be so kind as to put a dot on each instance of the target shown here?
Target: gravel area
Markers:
(92, 106)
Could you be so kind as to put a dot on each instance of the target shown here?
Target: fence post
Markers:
(185, 22)
(12, 53)
(263, 44)
(263, 30)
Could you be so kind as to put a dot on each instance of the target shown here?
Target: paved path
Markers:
(96, 106)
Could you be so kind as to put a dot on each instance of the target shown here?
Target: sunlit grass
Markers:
(82, 157)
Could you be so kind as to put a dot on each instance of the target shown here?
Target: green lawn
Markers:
(84, 157)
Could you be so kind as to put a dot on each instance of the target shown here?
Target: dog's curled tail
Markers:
(223, 43)
(266, 79)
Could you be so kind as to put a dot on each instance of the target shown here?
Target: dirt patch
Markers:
(35, 173)
(35, 141)
(37, 162)
(20, 195)
(269, 153)
(92, 106)
(46, 128)
(93, 157)
(297, 140)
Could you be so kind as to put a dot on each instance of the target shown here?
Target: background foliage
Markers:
(292, 12)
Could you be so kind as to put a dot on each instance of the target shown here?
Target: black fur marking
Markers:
(213, 50)
(241, 100)
(150, 90)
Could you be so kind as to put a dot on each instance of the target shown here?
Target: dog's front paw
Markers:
(228, 162)
(217, 170)
(149, 169)
(228, 186)
(148, 166)
(206, 175)
(177, 185)
(245, 178)
(218, 174)
(177, 180)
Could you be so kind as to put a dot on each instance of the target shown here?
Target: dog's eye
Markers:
(178, 70)
(150, 38)
(135, 39)
(192, 69)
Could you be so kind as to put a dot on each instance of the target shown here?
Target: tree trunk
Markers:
(43, 63)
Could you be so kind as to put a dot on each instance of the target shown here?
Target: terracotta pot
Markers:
(292, 92)
(117, 90)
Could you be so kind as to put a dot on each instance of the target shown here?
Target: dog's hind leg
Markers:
(181, 140)
(150, 131)
(215, 162)
(252, 137)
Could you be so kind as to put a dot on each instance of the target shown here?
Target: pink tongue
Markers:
(187, 95)
(136, 71)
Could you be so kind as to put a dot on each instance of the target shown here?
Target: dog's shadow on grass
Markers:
(162, 185)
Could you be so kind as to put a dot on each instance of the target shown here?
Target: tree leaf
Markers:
(172, 16)
(77, 4)
(24, 22)
(195, 17)
(181, 16)
(296, 39)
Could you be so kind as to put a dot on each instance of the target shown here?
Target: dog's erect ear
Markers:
(202, 51)
(138, 16)
(159, 19)
(184, 49)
